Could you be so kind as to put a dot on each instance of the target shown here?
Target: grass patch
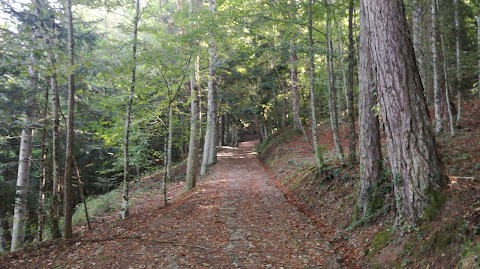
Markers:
(470, 256)
(97, 205)
(380, 241)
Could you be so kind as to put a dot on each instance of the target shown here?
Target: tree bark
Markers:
(297, 124)
(42, 184)
(209, 148)
(332, 100)
(55, 199)
(445, 77)
(478, 48)
(20, 213)
(437, 100)
(68, 188)
(417, 13)
(416, 167)
(313, 115)
(369, 141)
(168, 166)
(2, 239)
(458, 61)
(124, 210)
(192, 162)
(350, 96)
(24, 163)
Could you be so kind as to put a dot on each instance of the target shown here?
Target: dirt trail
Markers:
(236, 218)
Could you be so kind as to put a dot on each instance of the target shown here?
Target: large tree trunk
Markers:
(417, 170)
(369, 141)
(313, 115)
(209, 147)
(297, 124)
(68, 188)
(126, 156)
(437, 100)
(332, 100)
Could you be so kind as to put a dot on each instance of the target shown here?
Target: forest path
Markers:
(235, 218)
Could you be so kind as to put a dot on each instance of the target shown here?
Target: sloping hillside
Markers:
(450, 239)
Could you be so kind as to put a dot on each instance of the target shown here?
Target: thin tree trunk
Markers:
(168, 166)
(478, 48)
(42, 186)
(284, 104)
(222, 130)
(369, 141)
(332, 91)
(55, 208)
(297, 125)
(124, 210)
(2, 238)
(445, 76)
(68, 188)
(458, 61)
(316, 146)
(165, 176)
(55, 199)
(209, 145)
(350, 108)
(20, 213)
(24, 163)
(82, 194)
(437, 101)
(416, 167)
(192, 162)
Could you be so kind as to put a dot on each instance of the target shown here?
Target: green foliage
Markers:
(97, 206)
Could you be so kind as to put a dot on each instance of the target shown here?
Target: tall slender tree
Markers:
(437, 101)
(68, 188)
(209, 147)
(297, 124)
(332, 100)
(458, 58)
(313, 114)
(24, 163)
(46, 25)
(126, 156)
(350, 85)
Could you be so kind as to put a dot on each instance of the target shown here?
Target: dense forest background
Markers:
(96, 94)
